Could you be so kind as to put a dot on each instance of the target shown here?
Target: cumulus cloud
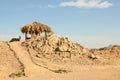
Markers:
(86, 4)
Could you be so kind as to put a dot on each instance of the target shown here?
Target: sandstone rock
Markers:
(97, 57)
(94, 56)
(63, 48)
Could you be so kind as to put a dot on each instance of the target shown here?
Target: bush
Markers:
(62, 71)
(19, 74)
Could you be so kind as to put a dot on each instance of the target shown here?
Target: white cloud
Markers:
(86, 4)
(43, 6)
(50, 6)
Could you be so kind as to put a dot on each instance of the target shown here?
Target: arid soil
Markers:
(57, 58)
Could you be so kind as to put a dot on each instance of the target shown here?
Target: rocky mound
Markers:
(61, 50)
(109, 55)
(54, 49)
(51, 53)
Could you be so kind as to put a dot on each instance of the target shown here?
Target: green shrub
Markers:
(62, 71)
(19, 74)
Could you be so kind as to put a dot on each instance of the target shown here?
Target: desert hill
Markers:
(43, 55)
(47, 57)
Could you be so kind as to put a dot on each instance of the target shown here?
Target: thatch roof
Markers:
(35, 27)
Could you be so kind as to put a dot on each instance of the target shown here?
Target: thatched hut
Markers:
(35, 28)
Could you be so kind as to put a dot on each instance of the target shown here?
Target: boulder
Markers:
(63, 48)
(93, 56)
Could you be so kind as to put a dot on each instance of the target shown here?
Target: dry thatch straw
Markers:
(31, 30)
(35, 28)
(39, 28)
(24, 30)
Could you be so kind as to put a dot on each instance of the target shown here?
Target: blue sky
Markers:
(92, 23)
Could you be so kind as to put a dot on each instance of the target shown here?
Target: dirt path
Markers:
(30, 68)
(8, 62)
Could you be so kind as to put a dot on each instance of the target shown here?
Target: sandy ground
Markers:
(78, 73)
